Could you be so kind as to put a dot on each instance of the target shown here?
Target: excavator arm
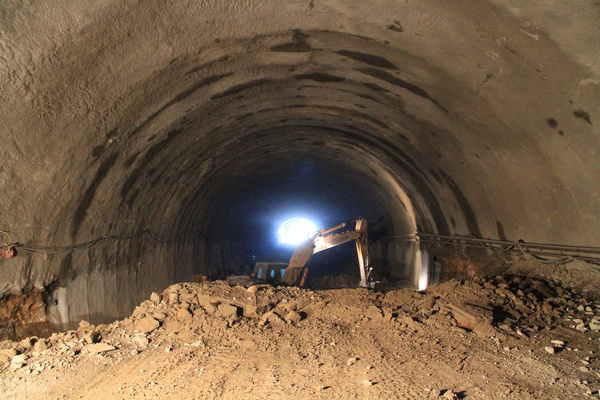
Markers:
(297, 270)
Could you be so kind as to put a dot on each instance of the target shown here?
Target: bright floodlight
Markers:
(296, 230)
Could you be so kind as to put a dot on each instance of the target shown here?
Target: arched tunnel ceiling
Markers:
(470, 119)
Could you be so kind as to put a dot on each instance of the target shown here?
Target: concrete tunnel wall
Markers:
(446, 117)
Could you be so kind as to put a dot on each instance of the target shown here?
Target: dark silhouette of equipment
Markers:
(297, 270)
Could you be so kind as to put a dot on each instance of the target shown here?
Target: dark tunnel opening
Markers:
(303, 189)
(243, 224)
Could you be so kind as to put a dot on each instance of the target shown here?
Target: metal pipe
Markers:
(335, 228)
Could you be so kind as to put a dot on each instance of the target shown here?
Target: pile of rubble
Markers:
(162, 313)
(502, 313)
(493, 307)
(518, 306)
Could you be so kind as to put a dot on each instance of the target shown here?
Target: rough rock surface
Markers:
(24, 315)
(496, 337)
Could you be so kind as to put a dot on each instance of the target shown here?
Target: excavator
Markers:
(297, 269)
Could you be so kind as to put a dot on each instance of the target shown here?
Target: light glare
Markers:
(296, 230)
(424, 272)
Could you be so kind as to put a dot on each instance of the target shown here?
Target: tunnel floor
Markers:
(505, 336)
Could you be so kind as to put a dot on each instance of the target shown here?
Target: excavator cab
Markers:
(297, 269)
(271, 272)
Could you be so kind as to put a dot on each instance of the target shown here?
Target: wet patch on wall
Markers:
(204, 82)
(584, 115)
(436, 176)
(88, 196)
(500, 228)
(97, 151)
(130, 160)
(464, 205)
(320, 77)
(393, 80)
(375, 87)
(396, 26)
(148, 157)
(370, 59)
(240, 88)
(299, 44)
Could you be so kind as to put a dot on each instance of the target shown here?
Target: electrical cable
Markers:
(564, 260)
(6, 234)
(64, 249)
(543, 250)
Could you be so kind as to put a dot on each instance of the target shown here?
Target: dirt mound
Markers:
(498, 337)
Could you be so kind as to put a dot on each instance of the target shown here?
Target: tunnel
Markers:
(149, 143)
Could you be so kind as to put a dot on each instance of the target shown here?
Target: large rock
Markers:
(206, 301)
(463, 318)
(173, 297)
(40, 345)
(17, 363)
(99, 347)
(139, 311)
(26, 344)
(227, 310)
(147, 324)
(159, 316)
(293, 318)
(92, 337)
(19, 359)
(184, 314)
(271, 318)
(84, 324)
(8, 352)
(210, 309)
(374, 313)
(155, 297)
(141, 340)
(187, 297)
(473, 319)
(426, 304)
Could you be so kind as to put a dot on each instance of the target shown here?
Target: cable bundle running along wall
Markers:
(546, 253)
(9, 249)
